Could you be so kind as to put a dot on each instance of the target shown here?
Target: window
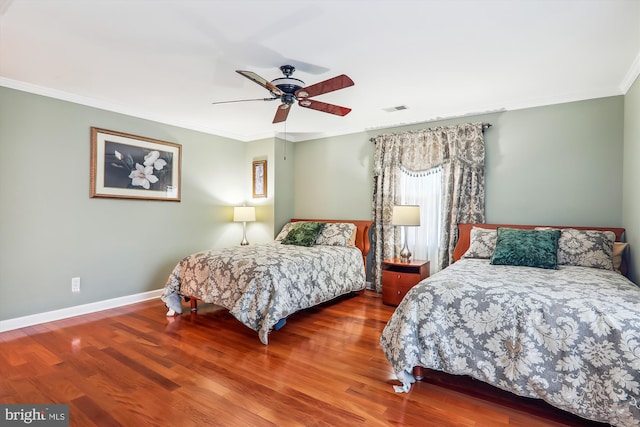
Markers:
(425, 190)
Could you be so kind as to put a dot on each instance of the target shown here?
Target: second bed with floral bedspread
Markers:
(262, 284)
(570, 336)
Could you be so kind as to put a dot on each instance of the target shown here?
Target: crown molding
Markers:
(115, 108)
(631, 75)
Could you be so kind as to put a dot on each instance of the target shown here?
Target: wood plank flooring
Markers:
(132, 366)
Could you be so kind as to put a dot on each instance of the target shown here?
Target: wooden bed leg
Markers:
(194, 304)
(418, 373)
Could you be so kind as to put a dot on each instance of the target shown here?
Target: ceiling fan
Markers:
(289, 90)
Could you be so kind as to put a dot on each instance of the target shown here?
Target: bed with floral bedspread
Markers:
(262, 284)
(569, 335)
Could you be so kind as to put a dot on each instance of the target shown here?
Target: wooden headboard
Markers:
(464, 235)
(362, 232)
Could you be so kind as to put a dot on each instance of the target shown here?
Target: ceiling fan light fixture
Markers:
(303, 94)
(305, 102)
(288, 84)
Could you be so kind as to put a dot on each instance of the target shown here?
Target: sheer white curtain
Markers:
(425, 190)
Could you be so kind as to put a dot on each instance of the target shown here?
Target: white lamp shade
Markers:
(405, 215)
(244, 214)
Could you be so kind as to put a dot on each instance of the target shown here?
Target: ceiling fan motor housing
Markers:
(287, 70)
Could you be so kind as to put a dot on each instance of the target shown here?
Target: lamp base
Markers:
(405, 253)
(244, 242)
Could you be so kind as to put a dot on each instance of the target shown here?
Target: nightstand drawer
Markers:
(399, 277)
(392, 293)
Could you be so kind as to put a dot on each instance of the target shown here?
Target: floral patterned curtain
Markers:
(459, 150)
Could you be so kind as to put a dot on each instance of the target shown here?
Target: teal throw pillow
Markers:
(527, 248)
(303, 233)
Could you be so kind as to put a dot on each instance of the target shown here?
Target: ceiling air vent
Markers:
(397, 108)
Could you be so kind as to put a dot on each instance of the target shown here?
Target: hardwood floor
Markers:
(132, 366)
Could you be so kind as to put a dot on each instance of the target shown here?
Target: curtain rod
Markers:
(485, 126)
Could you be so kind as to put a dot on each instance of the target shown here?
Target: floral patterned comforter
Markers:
(569, 336)
(261, 284)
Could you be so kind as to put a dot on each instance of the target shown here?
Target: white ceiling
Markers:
(168, 60)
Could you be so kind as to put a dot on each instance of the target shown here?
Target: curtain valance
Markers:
(425, 149)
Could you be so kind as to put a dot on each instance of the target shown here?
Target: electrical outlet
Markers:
(75, 284)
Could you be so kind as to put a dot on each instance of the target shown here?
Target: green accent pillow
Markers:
(527, 248)
(303, 233)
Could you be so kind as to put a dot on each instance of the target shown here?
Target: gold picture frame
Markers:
(259, 176)
(126, 166)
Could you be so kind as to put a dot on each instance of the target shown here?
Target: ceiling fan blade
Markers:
(281, 113)
(246, 100)
(335, 83)
(260, 80)
(324, 107)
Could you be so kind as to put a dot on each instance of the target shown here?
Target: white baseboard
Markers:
(78, 310)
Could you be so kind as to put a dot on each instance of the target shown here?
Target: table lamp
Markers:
(244, 214)
(405, 216)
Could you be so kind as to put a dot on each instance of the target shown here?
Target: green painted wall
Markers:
(261, 230)
(284, 161)
(631, 179)
(51, 230)
(333, 178)
(559, 164)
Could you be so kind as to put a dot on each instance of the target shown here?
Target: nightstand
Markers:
(398, 277)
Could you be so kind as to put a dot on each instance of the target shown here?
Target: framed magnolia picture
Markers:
(134, 167)
(259, 179)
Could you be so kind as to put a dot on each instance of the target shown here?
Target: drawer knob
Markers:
(398, 292)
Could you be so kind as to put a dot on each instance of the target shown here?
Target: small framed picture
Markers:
(134, 167)
(259, 179)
